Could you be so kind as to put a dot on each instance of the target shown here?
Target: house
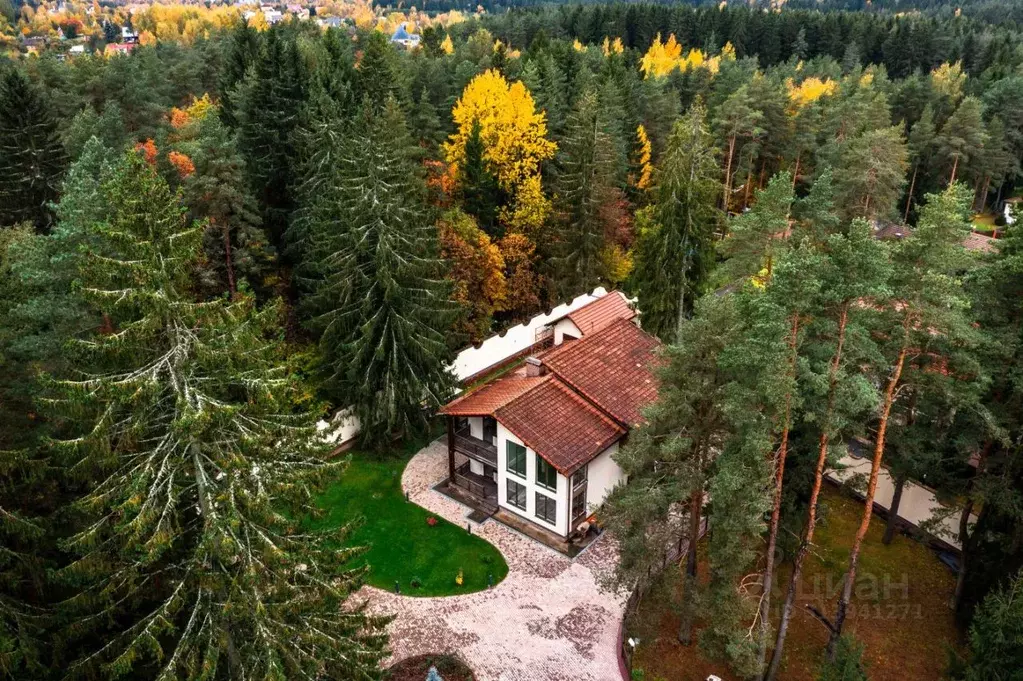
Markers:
(77, 50)
(118, 48)
(538, 444)
(128, 36)
(404, 38)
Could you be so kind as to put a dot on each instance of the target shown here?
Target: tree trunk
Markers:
(685, 631)
(955, 166)
(965, 536)
(728, 174)
(893, 512)
(868, 503)
(909, 197)
(811, 521)
(779, 479)
(795, 173)
(984, 193)
(749, 183)
(229, 264)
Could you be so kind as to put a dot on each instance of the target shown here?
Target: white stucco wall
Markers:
(476, 427)
(602, 476)
(560, 495)
(565, 326)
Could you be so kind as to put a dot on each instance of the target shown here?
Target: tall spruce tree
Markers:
(268, 105)
(381, 303)
(178, 421)
(32, 158)
(586, 180)
(674, 257)
(236, 246)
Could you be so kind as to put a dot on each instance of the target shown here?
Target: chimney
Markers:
(534, 367)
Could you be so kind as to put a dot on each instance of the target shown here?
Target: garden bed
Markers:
(449, 667)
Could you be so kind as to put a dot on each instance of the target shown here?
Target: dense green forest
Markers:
(206, 247)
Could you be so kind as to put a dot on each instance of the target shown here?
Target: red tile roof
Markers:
(612, 368)
(595, 316)
(484, 401)
(559, 425)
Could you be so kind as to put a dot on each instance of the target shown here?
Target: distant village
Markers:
(73, 29)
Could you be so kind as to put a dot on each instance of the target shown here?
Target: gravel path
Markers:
(549, 620)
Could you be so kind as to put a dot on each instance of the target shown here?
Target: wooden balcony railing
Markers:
(475, 448)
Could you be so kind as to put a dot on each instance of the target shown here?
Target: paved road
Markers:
(549, 620)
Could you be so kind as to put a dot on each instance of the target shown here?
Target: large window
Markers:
(516, 459)
(579, 477)
(546, 474)
(516, 494)
(546, 508)
(579, 505)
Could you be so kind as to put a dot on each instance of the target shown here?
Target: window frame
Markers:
(522, 490)
(508, 459)
(543, 464)
(548, 503)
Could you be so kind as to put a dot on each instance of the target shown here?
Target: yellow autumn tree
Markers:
(948, 80)
(662, 58)
(810, 90)
(643, 157)
(514, 137)
(615, 47)
(446, 46)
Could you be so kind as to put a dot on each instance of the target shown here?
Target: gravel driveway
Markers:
(548, 620)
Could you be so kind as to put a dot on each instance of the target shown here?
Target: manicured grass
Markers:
(984, 222)
(900, 611)
(403, 546)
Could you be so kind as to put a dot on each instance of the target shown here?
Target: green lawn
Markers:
(403, 546)
(984, 222)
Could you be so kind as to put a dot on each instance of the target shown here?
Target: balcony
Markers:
(475, 448)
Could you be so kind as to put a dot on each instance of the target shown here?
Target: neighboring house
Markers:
(329, 22)
(128, 36)
(539, 443)
(404, 38)
(1010, 208)
(972, 242)
(77, 50)
(118, 48)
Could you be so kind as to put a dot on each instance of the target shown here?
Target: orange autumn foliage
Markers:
(149, 151)
(182, 163)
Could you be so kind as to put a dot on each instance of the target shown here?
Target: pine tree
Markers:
(179, 421)
(669, 459)
(927, 299)
(921, 150)
(962, 137)
(381, 304)
(757, 237)
(871, 173)
(586, 181)
(674, 257)
(32, 158)
(737, 122)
